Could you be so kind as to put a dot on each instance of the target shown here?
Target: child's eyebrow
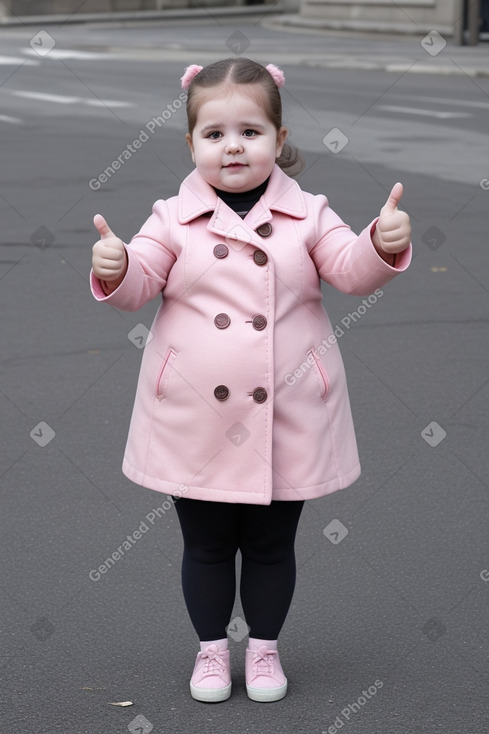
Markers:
(210, 127)
(216, 126)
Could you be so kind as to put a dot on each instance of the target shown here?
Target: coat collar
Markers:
(283, 194)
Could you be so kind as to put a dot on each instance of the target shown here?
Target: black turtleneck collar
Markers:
(242, 202)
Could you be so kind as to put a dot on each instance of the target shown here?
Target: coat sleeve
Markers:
(349, 262)
(149, 261)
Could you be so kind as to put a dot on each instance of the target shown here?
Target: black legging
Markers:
(212, 534)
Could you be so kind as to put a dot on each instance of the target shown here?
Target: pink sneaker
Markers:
(265, 679)
(211, 679)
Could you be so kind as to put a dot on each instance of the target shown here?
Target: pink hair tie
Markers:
(190, 72)
(277, 75)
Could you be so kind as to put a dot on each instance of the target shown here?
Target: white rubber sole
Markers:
(210, 695)
(265, 695)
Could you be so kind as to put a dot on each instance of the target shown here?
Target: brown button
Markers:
(264, 230)
(221, 392)
(222, 320)
(259, 395)
(260, 257)
(220, 251)
(259, 322)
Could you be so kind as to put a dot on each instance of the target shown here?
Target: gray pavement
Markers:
(387, 633)
(426, 51)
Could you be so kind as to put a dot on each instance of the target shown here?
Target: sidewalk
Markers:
(430, 53)
(140, 15)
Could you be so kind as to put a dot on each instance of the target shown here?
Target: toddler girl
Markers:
(242, 407)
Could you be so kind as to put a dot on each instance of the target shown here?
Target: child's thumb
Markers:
(102, 226)
(394, 197)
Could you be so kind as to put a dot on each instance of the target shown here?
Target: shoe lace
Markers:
(263, 660)
(214, 663)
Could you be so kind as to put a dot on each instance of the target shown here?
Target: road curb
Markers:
(275, 18)
(399, 67)
(372, 28)
(144, 15)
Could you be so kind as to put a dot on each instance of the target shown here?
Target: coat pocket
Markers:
(164, 374)
(321, 373)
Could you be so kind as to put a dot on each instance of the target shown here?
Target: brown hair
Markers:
(245, 71)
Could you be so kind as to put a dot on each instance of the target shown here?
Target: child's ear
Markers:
(188, 138)
(281, 135)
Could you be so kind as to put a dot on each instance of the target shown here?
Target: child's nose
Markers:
(233, 146)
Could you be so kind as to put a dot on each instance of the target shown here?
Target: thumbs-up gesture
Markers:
(109, 260)
(393, 231)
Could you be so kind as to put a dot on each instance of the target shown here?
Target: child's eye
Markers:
(249, 133)
(214, 135)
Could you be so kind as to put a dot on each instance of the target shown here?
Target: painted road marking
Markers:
(11, 120)
(57, 98)
(106, 103)
(16, 61)
(423, 112)
(67, 53)
(445, 101)
(62, 99)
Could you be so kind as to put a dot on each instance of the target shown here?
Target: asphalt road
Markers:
(388, 632)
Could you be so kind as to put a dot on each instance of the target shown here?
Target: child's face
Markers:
(234, 145)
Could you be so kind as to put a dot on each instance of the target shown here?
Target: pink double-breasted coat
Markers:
(242, 395)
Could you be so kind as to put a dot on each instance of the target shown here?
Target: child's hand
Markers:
(393, 231)
(109, 260)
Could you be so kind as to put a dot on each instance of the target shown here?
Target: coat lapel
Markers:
(197, 197)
